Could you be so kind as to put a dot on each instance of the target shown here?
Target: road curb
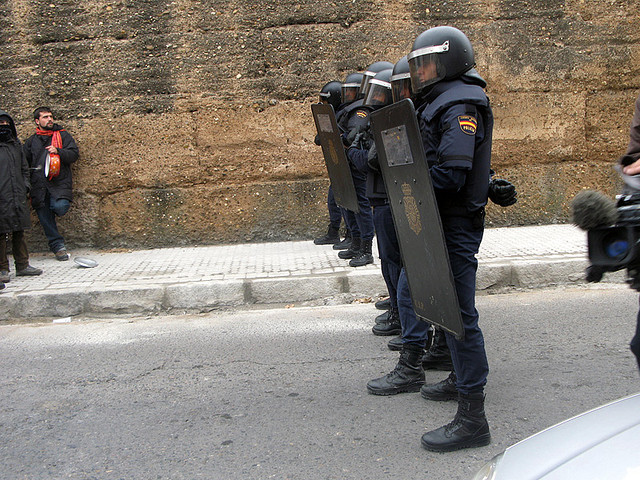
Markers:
(493, 276)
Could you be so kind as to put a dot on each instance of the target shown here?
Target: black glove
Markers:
(357, 141)
(594, 273)
(372, 158)
(502, 192)
(353, 133)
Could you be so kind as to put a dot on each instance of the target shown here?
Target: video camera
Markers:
(613, 234)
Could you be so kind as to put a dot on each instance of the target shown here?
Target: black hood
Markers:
(11, 122)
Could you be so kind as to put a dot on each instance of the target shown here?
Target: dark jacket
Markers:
(14, 184)
(59, 186)
(456, 124)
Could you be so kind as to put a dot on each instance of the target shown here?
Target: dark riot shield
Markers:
(416, 217)
(335, 158)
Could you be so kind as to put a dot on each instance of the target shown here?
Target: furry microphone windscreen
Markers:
(592, 209)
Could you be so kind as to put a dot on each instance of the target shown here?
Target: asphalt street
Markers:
(280, 393)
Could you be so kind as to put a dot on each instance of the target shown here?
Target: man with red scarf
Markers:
(50, 152)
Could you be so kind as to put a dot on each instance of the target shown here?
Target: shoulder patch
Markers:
(468, 124)
(362, 113)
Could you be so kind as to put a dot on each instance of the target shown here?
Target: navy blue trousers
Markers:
(361, 222)
(389, 250)
(335, 214)
(469, 357)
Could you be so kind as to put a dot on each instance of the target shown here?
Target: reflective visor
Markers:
(378, 93)
(350, 92)
(401, 87)
(425, 70)
(425, 66)
(366, 78)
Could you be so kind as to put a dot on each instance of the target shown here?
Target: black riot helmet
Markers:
(440, 53)
(351, 87)
(370, 72)
(379, 90)
(401, 80)
(331, 93)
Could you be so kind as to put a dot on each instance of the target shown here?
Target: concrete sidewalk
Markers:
(197, 279)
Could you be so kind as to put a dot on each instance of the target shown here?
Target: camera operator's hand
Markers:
(632, 169)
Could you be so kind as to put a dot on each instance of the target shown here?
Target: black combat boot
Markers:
(469, 428)
(383, 317)
(395, 344)
(441, 391)
(364, 257)
(408, 375)
(331, 238)
(390, 327)
(383, 304)
(345, 243)
(353, 250)
(438, 357)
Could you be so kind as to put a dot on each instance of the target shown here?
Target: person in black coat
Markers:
(50, 152)
(14, 208)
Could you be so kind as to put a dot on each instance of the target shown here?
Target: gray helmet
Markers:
(331, 93)
(351, 87)
(440, 53)
(370, 72)
(401, 80)
(379, 90)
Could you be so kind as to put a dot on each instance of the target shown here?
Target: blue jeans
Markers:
(635, 342)
(47, 216)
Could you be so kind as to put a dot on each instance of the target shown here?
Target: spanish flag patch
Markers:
(468, 124)
(361, 113)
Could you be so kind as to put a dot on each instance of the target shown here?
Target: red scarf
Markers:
(54, 158)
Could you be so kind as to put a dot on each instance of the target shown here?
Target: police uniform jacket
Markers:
(456, 124)
(14, 185)
(59, 186)
(354, 119)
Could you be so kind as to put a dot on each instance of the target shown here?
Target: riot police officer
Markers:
(359, 153)
(350, 90)
(355, 121)
(331, 94)
(387, 323)
(456, 123)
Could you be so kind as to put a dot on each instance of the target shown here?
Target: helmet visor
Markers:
(401, 86)
(350, 92)
(378, 93)
(425, 66)
(366, 78)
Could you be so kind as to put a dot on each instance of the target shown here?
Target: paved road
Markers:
(281, 393)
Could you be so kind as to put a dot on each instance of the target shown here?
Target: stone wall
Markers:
(193, 117)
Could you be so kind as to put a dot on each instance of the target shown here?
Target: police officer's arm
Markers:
(358, 122)
(456, 148)
(358, 157)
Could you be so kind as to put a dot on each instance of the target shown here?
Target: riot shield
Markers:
(416, 217)
(334, 157)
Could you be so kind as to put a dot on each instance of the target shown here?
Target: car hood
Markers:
(601, 443)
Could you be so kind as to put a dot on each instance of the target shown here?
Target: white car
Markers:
(601, 444)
